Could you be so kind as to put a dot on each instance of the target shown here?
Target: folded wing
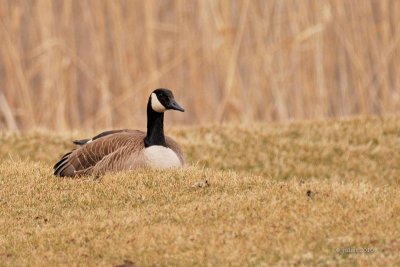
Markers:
(90, 154)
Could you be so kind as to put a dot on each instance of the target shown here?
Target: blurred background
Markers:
(91, 64)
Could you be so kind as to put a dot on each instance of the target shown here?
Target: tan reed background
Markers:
(91, 64)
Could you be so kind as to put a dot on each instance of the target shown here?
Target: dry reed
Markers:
(91, 64)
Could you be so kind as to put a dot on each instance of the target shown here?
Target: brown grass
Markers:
(350, 150)
(91, 64)
(282, 194)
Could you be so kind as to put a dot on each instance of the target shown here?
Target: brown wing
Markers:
(85, 158)
(84, 141)
(126, 157)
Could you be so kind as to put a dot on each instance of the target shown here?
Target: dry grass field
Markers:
(279, 194)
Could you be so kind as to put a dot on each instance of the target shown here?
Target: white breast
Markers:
(161, 157)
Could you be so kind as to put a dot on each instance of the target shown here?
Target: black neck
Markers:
(155, 128)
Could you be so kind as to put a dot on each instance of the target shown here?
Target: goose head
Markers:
(162, 100)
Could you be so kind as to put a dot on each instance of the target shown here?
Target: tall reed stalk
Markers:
(89, 64)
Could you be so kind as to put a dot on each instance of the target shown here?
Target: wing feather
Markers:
(90, 154)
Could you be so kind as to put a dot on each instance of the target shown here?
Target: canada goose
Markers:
(118, 150)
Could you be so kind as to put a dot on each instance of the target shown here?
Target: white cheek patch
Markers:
(161, 157)
(156, 104)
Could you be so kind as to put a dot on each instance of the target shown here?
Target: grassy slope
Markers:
(256, 209)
